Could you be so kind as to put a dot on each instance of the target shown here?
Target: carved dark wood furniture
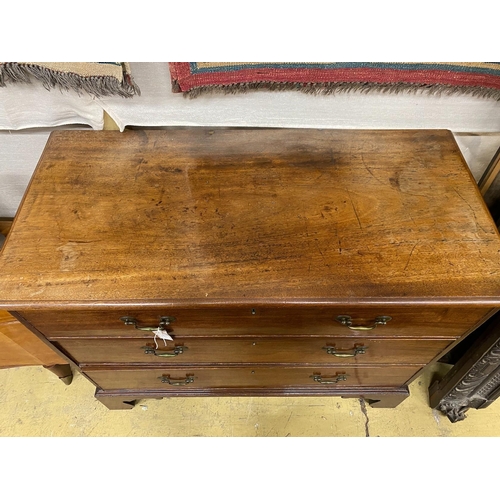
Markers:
(265, 262)
(474, 381)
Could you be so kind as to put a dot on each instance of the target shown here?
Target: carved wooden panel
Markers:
(474, 382)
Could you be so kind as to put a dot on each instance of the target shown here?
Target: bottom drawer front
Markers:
(170, 379)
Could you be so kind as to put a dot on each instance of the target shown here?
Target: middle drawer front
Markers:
(171, 379)
(194, 350)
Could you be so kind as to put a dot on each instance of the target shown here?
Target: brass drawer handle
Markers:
(351, 353)
(329, 380)
(347, 321)
(164, 321)
(165, 379)
(164, 354)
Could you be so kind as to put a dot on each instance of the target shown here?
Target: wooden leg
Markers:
(384, 399)
(116, 402)
(387, 399)
(62, 371)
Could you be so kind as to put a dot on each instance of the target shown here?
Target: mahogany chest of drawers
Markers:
(212, 261)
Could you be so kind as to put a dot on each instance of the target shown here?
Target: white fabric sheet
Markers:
(158, 106)
(24, 106)
(19, 155)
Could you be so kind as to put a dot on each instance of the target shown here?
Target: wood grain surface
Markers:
(212, 215)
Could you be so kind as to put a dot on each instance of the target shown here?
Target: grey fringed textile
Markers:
(94, 78)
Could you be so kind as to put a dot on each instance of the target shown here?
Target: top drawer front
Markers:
(207, 321)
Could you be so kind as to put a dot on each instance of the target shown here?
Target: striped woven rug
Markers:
(479, 79)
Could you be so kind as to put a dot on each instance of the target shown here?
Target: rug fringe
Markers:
(98, 86)
(329, 88)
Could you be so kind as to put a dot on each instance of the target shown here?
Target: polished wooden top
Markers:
(215, 215)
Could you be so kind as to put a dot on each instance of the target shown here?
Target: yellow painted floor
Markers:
(35, 403)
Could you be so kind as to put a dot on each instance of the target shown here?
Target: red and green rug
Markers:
(479, 79)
